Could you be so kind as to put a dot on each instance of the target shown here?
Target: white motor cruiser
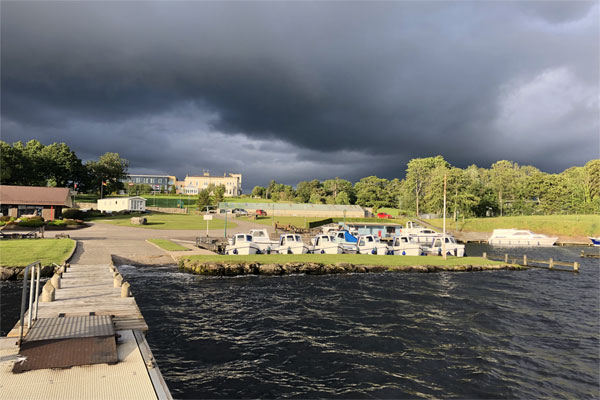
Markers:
(419, 234)
(262, 239)
(405, 246)
(369, 244)
(520, 238)
(291, 244)
(325, 244)
(242, 244)
(452, 247)
(347, 240)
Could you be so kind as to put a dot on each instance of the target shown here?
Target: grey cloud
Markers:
(326, 82)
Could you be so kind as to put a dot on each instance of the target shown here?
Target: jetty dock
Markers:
(86, 341)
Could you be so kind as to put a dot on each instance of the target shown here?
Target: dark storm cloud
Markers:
(348, 89)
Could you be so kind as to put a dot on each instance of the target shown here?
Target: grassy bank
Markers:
(555, 225)
(355, 259)
(16, 253)
(167, 245)
(167, 221)
(302, 222)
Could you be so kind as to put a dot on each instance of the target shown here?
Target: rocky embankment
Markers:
(14, 273)
(235, 269)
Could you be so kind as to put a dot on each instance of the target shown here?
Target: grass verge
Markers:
(167, 221)
(167, 245)
(554, 225)
(21, 252)
(355, 259)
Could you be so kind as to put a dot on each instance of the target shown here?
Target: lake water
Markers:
(501, 334)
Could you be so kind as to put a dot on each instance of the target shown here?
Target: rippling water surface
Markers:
(502, 334)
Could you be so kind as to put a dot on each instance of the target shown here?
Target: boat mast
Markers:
(444, 234)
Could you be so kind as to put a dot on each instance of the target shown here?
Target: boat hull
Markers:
(331, 249)
(241, 250)
(379, 250)
(293, 249)
(407, 250)
(522, 242)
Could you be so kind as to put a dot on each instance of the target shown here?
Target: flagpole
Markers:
(101, 189)
(444, 235)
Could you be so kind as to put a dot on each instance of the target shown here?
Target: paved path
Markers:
(99, 241)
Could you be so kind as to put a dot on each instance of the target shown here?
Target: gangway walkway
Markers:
(87, 343)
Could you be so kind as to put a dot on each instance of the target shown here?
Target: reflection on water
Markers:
(502, 334)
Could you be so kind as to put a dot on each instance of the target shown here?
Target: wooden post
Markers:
(551, 263)
(484, 255)
(506, 258)
(525, 259)
(118, 281)
(125, 290)
(576, 266)
(48, 293)
(55, 281)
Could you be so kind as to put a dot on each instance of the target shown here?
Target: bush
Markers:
(32, 222)
(57, 222)
(73, 221)
(72, 213)
(6, 218)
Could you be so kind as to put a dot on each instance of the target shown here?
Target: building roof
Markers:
(35, 196)
(122, 198)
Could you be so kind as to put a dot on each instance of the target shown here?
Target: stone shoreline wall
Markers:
(235, 269)
(16, 273)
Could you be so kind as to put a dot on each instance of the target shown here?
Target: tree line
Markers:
(506, 188)
(36, 164)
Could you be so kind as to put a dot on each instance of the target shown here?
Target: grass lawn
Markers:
(21, 252)
(168, 245)
(563, 225)
(300, 222)
(167, 221)
(356, 259)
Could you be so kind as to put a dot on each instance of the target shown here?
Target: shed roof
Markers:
(122, 198)
(35, 196)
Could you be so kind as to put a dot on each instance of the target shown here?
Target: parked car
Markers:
(261, 213)
(384, 215)
(239, 211)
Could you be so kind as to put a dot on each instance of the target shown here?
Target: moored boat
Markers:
(291, 244)
(520, 238)
(370, 244)
(241, 244)
(325, 244)
(452, 247)
(405, 246)
(263, 241)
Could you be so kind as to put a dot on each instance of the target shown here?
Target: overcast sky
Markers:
(300, 90)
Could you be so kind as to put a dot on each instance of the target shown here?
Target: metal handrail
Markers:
(34, 273)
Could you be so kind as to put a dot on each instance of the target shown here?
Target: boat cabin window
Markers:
(325, 238)
(362, 242)
(248, 238)
(437, 243)
(298, 238)
(340, 235)
(369, 238)
(258, 234)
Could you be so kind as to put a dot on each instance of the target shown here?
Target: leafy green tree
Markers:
(418, 175)
(109, 168)
(258, 191)
(219, 193)
(203, 199)
(503, 174)
(371, 192)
